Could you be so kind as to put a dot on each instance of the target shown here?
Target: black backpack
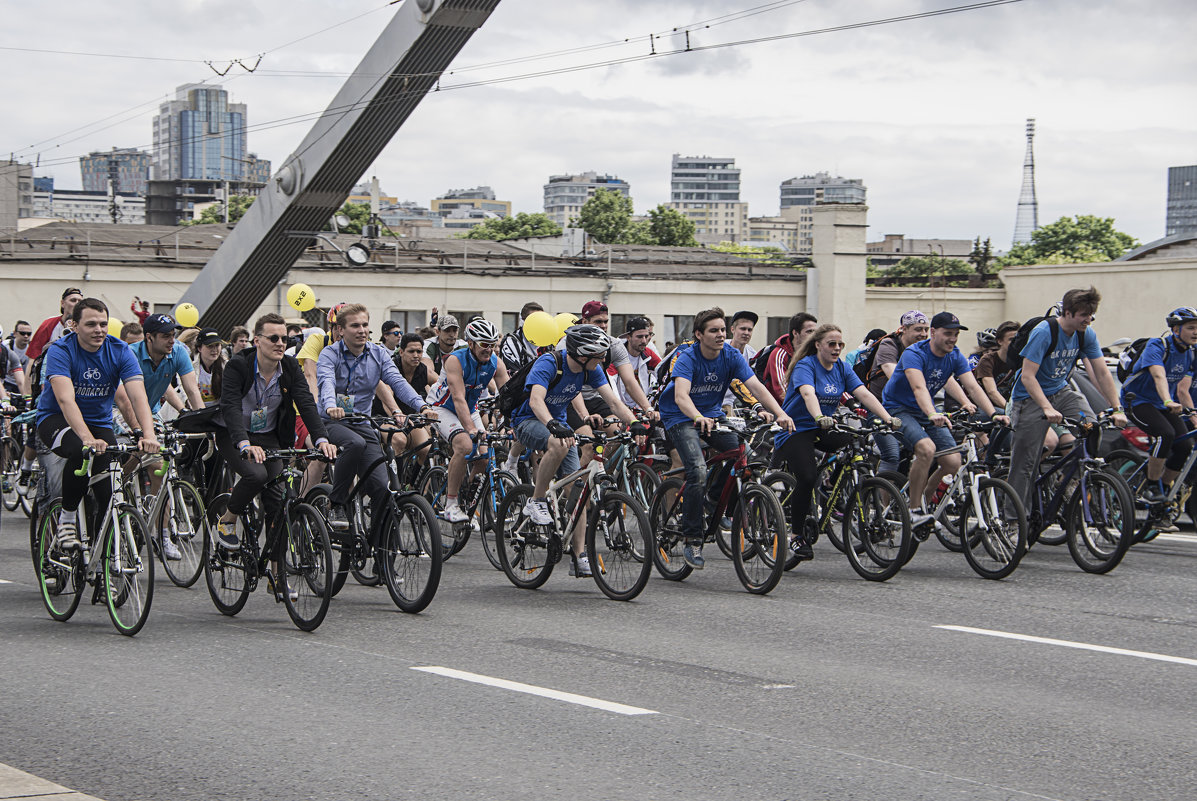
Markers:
(513, 394)
(760, 362)
(1130, 357)
(665, 368)
(864, 362)
(1014, 353)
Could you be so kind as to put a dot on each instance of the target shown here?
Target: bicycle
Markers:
(117, 561)
(870, 510)
(617, 530)
(22, 429)
(296, 541)
(403, 538)
(758, 532)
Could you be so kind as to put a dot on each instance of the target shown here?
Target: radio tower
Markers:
(1028, 207)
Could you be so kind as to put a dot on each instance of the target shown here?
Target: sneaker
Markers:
(802, 550)
(337, 519)
(725, 523)
(455, 514)
(511, 464)
(918, 517)
(226, 536)
(23, 482)
(693, 556)
(537, 510)
(66, 538)
(169, 549)
(1152, 494)
(580, 567)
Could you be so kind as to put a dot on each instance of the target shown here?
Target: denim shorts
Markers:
(535, 437)
(916, 426)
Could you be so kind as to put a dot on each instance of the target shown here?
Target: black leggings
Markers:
(59, 437)
(253, 475)
(798, 452)
(1165, 430)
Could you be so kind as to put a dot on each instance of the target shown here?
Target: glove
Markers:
(560, 430)
(638, 429)
(826, 422)
(895, 423)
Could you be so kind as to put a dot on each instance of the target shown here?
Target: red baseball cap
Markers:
(592, 308)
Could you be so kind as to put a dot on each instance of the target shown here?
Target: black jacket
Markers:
(238, 382)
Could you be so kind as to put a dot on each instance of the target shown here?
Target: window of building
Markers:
(409, 321)
(511, 321)
(777, 327)
(463, 319)
(673, 328)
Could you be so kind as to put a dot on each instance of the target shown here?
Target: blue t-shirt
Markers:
(936, 372)
(157, 379)
(709, 380)
(557, 399)
(1174, 357)
(475, 376)
(829, 386)
(95, 376)
(1054, 367)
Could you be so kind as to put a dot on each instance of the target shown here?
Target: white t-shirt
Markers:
(643, 374)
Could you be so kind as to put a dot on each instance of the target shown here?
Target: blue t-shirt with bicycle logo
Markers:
(709, 380)
(1164, 351)
(557, 399)
(95, 376)
(936, 371)
(829, 385)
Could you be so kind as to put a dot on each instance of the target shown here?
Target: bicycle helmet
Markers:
(1056, 310)
(332, 313)
(586, 341)
(480, 330)
(987, 339)
(1185, 314)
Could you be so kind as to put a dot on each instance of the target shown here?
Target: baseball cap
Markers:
(208, 336)
(913, 317)
(947, 320)
(592, 308)
(159, 324)
(389, 326)
(745, 315)
(71, 291)
(446, 321)
(637, 324)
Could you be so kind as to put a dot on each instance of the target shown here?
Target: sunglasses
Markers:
(273, 338)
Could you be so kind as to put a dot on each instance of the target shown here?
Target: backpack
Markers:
(1129, 357)
(513, 394)
(665, 368)
(760, 362)
(864, 362)
(1014, 353)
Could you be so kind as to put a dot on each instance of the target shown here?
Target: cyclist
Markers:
(802, 325)
(209, 364)
(391, 335)
(913, 327)
(1041, 393)
(996, 377)
(54, 328)
(260, 390)
(925, 368)
(516, 350)
(816, 380)
(690, 408)
(641, 361)
(348, 373)
(308, 355)
(12, 373)
(553, 384)
(445, 342)
(238, 340)
(416, 369)
(18, 343)
(868, 341)
(83, 370)
(595, 313)
(743, 323)
(466, 374)
(1162, 374)
(132, 333)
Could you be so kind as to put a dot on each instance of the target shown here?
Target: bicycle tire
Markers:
(226, 573)
(877, 509)
(409, 552)
(306, 567)
(527, 554)
(186, 514)
(992, 547)
(1100, 546)
(60, 576)
(1047, 490)
(665, 517)
(128, 571)
(493, 492)
(10, 471)
(782, 485)
(760, 538)
(433, 487)
(341, 543)
(617, 559)
(642, 483)
(365, 569)
(823, 485)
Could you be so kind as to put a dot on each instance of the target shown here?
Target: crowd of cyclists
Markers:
(371, 420)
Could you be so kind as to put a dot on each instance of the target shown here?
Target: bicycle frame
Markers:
(95, 543)
(739, 470)
(1185, 472)
(1076, 459)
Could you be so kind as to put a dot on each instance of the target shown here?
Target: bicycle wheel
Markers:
(226, 572)
(362, 566)
(618, 536)
(128, 570)
(10, 471)
(665, 517)
(824, 483)
(29, 499)
(433, 488)
(876, 528)
(760, 539)
(527, 552)
(642, 483)
(1048, 488)
(305, 562)
(182, 520)
(1100, 522)
(409, 551)
(493, 493)
(782, 485)
(59, 574)
(994, 536)
(344, 549)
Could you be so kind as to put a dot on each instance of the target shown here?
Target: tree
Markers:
(671, 228)
(516, 227)
(358, 214)
(607, 217)
(981, 256)
(238, 205)
(1082, 239)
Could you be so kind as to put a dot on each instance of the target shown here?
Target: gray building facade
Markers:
(703, 179)
(16, 193)
(821, 188)
(564, 195)
(1181, 216)
(130, 167)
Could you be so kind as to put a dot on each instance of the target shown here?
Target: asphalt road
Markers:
(831, 687)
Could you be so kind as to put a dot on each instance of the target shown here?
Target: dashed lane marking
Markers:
(1084, 646)
(531, 689)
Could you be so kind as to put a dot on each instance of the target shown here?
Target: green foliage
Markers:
(765, 254)
(982, 255)
(358, 214)
(916, 266)
(670, 228)
(514, 227)
(607, 217)
(1079, 240)
(238, 205)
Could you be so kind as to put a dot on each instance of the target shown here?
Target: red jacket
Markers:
(41, 337)
(775, 371)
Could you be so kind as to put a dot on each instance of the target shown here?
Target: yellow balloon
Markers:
(186, 315)
(564, 321)
(541, 329)
(114, 327)
(301, 297)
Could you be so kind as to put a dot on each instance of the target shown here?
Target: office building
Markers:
(1182, 201)
(129, 167)
(200, 135)
(81, 206)
(564, 195)
(257, 170)
(171, 202)
(821, 188)
(896, 247)
(773, 232)
(16, 193)
(706, 190)
(478, 198)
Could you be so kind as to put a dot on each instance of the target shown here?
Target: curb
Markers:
(17, 784)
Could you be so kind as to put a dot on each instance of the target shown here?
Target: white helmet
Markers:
(480, 330)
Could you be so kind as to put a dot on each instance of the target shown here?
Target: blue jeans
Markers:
(688, 442)
(888, 447)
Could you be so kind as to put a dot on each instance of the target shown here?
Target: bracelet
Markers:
(697, 417)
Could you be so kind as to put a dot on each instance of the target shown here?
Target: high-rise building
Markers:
(257, 170)
(16, 193)
(200, 135)
(1182, 201)
(564, 195)
(130, 168)
(702, 179)
(799, 196)
(478, 198)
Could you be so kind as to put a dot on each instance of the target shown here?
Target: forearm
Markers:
(173, 400)
(811, 401)
(870, 402)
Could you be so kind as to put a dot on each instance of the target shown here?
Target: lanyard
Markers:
(257, 377)
(350, 368)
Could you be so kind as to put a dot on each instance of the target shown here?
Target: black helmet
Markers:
(586, 341)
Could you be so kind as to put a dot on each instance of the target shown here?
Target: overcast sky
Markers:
(930, 112)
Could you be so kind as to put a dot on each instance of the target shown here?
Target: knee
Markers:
(924, 449)
(950, 463)
(696, 472)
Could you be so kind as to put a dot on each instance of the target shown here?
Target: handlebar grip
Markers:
(161, 471)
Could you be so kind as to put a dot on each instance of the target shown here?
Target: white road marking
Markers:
(2, 581)
(1189, 538)
(1084, 646)
(530, 689)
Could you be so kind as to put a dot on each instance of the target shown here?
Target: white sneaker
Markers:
(583, 567)
(537, 510)
(455, 514)
(511, 465)
(169, 549)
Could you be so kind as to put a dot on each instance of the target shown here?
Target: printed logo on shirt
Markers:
(92, 374)
(937, 374)
(1064, 359)
(712, 378)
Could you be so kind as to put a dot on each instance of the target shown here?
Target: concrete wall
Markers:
(976, 308)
